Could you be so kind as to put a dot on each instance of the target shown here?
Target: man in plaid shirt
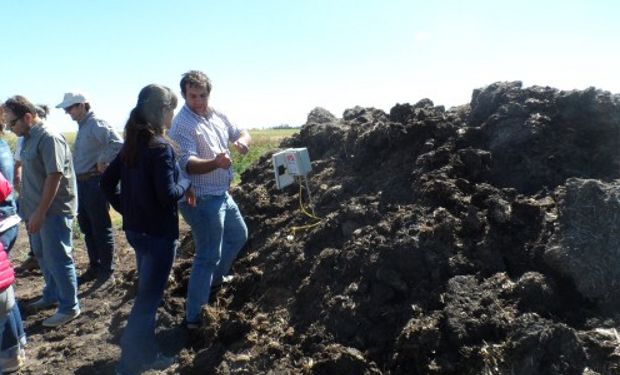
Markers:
(219, 232)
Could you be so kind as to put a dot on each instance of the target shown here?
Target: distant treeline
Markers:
(285, 126)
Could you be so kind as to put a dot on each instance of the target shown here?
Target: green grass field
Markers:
(263, 140)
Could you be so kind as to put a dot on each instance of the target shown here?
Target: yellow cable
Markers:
(304, 211)
(301, 204)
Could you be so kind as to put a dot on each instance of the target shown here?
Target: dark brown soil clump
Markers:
(478, 240)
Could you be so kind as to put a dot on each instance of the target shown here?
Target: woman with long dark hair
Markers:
(150, 186)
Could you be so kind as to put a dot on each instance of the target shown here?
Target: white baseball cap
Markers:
(72, 98)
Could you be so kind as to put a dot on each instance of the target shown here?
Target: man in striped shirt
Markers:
(219, 232)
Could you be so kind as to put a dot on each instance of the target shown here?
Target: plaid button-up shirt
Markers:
(204, 137)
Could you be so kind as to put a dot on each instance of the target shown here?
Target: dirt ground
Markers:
(482, 239)
(90, 344)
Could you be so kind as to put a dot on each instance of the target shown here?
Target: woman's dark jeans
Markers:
(154, 257)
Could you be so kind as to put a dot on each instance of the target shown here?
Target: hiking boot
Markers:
(59, 319)
(89, 275)
(41, 304)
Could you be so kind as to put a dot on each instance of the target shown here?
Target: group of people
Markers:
(163, 165)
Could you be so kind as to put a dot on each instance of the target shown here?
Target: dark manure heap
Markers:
(483, 239)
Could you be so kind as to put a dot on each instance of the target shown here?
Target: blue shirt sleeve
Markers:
(168, 187)
(109, 183)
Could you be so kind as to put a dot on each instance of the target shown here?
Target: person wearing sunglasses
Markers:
(47, 204)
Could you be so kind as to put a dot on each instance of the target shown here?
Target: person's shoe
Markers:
(30, 263)
(221, 281)
(228, 279)
(89, 275)
(106, 280)
(59, 319)
(41, 304)
(192, 325)
(8, 365)
(161, 362)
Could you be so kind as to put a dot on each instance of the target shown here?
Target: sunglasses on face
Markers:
(69, 108)
(13, 122)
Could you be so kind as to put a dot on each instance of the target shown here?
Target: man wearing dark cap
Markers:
(96, 144)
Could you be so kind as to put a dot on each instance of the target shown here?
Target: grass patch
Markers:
(263, 140)
(10, 138)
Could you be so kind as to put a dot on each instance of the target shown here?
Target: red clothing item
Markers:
(5, 187)
(7, 275)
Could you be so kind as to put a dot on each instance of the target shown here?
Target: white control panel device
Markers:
(290, 163)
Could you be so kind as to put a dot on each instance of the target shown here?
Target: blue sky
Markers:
(272, 61)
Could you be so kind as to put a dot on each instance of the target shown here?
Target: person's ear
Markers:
(28, 118)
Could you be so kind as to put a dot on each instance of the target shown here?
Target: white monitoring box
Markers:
(290, 163)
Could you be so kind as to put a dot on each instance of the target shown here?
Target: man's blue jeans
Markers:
(52, 247)
(154, 256)
(219, 233)
(14, 335)
(95, 223)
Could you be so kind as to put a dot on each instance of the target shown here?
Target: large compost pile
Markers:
(482, 239)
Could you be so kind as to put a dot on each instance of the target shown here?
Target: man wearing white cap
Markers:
(96, 144)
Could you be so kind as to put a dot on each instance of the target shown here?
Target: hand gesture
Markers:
(35, 222)
(222, 160)
(241, 147)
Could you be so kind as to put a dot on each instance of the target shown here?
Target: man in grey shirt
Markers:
(47, 204)
(96, 144)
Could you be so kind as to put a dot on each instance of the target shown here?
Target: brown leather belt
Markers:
(87, 175)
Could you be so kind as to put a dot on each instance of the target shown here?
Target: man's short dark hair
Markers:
(19, 105)
(195, 78)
